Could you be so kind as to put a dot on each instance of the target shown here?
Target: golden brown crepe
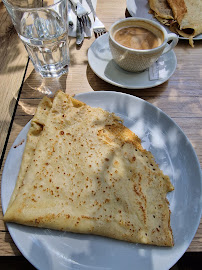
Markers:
(161, 9)
(83, 171)
(163, 13)
(187, 16)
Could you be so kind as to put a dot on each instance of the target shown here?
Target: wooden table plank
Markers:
(13, 59)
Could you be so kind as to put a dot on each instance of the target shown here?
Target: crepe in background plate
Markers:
(163, 13)
(83, 171)
(161, 9)
(186, 19)
(188, 14)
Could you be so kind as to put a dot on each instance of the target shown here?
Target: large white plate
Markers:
(49, 249)
(140, 8)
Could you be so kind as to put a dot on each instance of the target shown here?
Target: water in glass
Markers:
(42, 26)
(45, 38)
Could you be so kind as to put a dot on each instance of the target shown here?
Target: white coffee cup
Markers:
(138, 60)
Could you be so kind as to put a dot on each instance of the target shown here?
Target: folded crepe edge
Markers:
(37, 124)
(33, 136)
(158, 12)
(179, 10)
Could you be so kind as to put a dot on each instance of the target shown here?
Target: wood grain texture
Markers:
(13, 59)
(180, 97)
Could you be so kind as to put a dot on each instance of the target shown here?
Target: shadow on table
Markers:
(98, 84)
(33, 90)
(10, 48)
(35, 86)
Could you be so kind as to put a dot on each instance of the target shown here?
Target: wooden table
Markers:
(21, 89)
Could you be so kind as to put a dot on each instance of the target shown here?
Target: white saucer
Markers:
(101, 62)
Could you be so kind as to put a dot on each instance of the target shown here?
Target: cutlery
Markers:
(82, 13)
(79, 32)
(98, 26)
(70, 20)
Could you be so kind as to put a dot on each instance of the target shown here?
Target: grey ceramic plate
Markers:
(48, 249)
(101, 62)
(140, 8)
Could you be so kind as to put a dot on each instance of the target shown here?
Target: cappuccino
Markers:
(137, 38)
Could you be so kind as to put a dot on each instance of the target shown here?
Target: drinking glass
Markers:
(42, 27)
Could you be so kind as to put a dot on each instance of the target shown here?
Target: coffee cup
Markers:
(136, 43)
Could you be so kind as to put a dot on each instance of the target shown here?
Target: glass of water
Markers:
(43, 28)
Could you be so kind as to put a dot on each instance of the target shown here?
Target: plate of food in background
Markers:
(182, 17)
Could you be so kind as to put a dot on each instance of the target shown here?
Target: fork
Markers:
(98, 26)
(81, 13)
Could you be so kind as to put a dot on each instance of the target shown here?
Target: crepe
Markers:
(33, 136)
(188, 14)
(83, 171)
(161, 9)
(186, 17)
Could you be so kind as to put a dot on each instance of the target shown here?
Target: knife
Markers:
(79, 25)
(70, 20)
(79, 32)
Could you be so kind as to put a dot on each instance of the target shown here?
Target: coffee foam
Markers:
(125, 24)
